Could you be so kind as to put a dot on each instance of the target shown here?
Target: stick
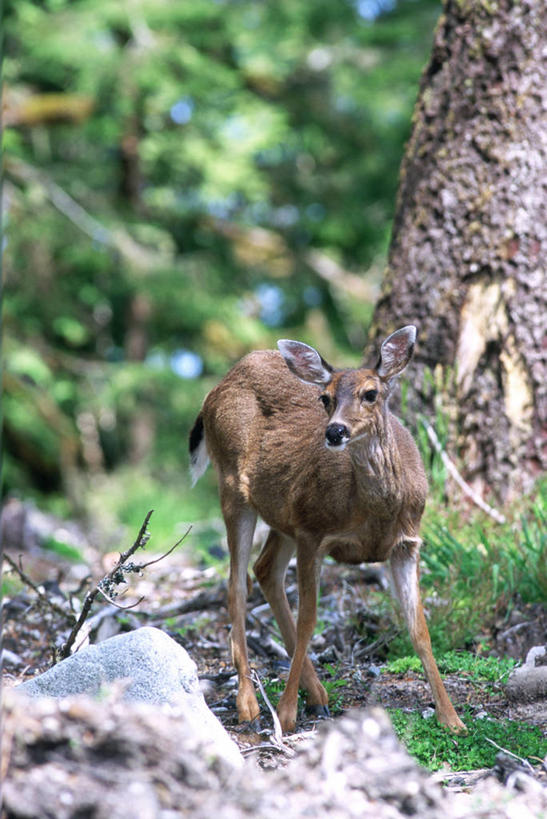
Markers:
(41, 595)
(172, 549)
(510, 753)
(452, 470)
(118, 606)
(111, 579)
(278, 731)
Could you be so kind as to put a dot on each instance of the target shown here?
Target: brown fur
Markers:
(264, 430)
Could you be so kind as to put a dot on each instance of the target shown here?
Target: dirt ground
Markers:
(190, 605)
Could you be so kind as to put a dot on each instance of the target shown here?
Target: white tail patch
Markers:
(199, 462)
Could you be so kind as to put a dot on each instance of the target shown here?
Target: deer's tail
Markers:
(199, 459)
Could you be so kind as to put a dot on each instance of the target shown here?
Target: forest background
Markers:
(184, 182)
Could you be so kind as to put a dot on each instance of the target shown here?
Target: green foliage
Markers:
(189, 630)
(172, 169)
(462, 663)
(62, 549)
(125, 496)
(433, 746)
(471, 577)
(273, 687)
(334, 685)
(476, 571)
(10, 586)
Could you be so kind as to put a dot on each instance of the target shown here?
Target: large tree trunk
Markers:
(468, 254)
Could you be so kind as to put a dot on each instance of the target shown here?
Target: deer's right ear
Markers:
(396, 352)
(305, 362)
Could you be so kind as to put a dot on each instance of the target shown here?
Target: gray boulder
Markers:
(529, 682)
(153, 669)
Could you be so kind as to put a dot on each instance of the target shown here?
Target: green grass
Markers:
(62, 549)
(476, 571)
(121, 501)
(433, 746)
(333, 685)
(463, 663)
(10, 586)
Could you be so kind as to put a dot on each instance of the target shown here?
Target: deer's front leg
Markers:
(309, 565)
(405, 573)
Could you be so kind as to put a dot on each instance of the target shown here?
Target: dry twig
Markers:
(523, 762)
(105, 587)
(455, 475)
(42, 596)
(278, 731)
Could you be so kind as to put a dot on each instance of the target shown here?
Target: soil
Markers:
(189, 603)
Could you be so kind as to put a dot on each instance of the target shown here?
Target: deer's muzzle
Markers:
(336, 435)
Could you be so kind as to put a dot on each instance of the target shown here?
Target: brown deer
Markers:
(317, 454)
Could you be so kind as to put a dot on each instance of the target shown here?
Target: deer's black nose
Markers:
(336, 434)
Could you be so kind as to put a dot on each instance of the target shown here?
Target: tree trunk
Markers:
(468, 254)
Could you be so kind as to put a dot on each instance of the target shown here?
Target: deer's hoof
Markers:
(454, 724)
(249, 726)
(319, 711)
(458, 727)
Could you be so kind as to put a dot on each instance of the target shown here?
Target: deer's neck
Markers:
(377, 461)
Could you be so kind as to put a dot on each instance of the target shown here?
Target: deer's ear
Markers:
(396, 352)
(305, 362)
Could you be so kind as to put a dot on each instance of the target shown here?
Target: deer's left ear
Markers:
(305, 362)
(396, 352)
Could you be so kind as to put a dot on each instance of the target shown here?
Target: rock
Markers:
(10, 658)
(153, 668)
(537, 656)
(113, 759)
(26, 528)
(529, 682)
(107, 759)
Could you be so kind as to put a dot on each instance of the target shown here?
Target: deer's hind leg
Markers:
(270, 570)
(240, 521)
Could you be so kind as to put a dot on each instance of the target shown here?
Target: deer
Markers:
(316, 453)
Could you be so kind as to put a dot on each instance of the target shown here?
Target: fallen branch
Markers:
(107, 585)
(455, 475)
(203, 600)
(278, 731)
(523, 762)
(118, 606)
(42, 596)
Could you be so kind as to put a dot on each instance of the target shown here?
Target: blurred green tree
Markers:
(182, 181)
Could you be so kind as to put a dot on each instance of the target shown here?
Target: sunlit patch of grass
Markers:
(11, 585)
(463, 663)
(433, 745)
(120, 502)
(66, 551)
(475, 572)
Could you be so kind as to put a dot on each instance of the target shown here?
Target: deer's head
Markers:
(355, 400)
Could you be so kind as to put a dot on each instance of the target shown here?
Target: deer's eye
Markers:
(370, 396)
(325, 400)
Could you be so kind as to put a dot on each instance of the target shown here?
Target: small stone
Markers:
(10, 658)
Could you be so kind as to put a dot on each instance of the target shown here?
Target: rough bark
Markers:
(469, 247)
